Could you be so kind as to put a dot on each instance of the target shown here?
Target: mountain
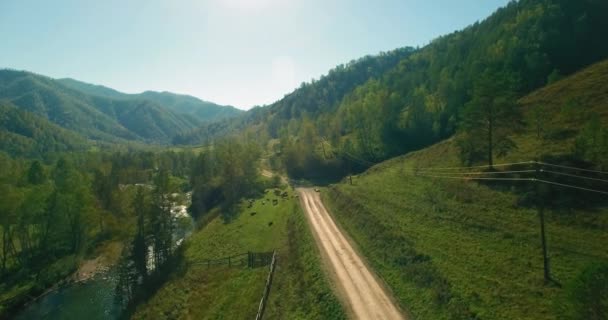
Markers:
(203, 111)
(92, 89)
(426, 95)
(94, 117)
(318, 96)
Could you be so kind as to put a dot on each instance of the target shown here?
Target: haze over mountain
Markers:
(204, 111)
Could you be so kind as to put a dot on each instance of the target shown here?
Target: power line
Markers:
(570, 186)
(485, 166)
(350, 156)
(471, 178)
(513, 179)
(571, 168)
(361, 161)
(573, 175)
(477, 172)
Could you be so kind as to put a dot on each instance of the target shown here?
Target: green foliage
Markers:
(554, 77)
(36, 175)
(489, 118)
(588, 294)
(592, 143)
(52, 216)
(314, 98)
(224, 175)
(27, 135)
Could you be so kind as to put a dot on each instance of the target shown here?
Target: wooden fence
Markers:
(248, 259)
(264, 300)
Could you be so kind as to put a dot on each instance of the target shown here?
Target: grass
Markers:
(234, 293)
(457, 249)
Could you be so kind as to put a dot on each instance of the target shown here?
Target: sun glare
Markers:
(247, 4)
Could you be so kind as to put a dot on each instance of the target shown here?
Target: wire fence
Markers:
(538, 173)
(264, 300)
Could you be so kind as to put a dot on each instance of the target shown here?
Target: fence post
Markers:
(262, 305)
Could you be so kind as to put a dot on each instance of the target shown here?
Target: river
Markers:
(94, 299)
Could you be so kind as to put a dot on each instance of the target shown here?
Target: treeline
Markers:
(223, 175)
(151, 254)
(54, 214)
(24, 134)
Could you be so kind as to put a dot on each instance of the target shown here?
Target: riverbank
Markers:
(105, 256)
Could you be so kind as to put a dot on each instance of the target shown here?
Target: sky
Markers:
(237, 52)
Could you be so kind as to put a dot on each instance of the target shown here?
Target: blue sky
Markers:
(239, 52)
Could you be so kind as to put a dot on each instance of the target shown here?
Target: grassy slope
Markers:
(234, 293)
(459, 249)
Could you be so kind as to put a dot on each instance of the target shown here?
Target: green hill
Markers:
(94, 117)
(24, 134)
(451, 247)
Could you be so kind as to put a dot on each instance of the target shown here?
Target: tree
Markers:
(35, 174)
(490, 117)
(592, 143)
(67, 222)
(161, 221)
(140, 243)
(9, 203)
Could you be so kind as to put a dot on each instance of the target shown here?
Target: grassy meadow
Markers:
(299, 290)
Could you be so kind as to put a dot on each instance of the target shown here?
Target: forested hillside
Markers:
(319, 96)
(24, 134)
(203, 111)
(432, 91)
(102, 114)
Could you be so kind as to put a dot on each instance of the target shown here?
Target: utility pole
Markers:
(540, 206)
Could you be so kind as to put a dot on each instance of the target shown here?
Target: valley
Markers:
(463, 177)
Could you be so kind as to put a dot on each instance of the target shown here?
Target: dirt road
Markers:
(363, 295)
(270, 174)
